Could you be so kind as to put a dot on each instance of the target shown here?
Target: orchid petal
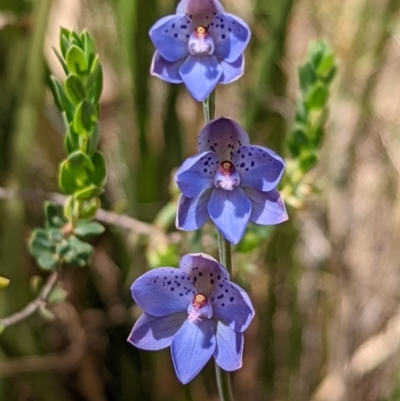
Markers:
(231, 36)
(199, 11)
(163, 291)
(228, 353)
(222, 136)
(200, 75)
(170, 36)
(232, 71)
(258, 167)
(192, 212)
(246, 299)
(205, 272)
(191, 348)
(230, 306)
(230, 211)
(154, 333)
(166, 70)
(268, 207)
(197, 174)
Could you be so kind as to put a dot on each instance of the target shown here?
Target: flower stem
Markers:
(209, 108)
(225, 258)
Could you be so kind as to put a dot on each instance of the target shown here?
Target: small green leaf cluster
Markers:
(82, 174)
(315, 77)
(61, 242)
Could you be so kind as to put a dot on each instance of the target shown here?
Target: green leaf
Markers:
(61, 60)
(307, 76)
(88, 192)
(48, 261)
(71, 140)
(69, 208)
(46, 314)
(4, 282)
(55, 235)
(75, 251)
(307, 162)
(90, 208)
(57, 294)
(89, 47)
(94, 84)
(64, 41)
(316, 52)
(100, 170)
(76, 39)
(87, 229)
(76, 61)
(74, 172)
(326, 65)
(85, 118)
(61, 98)
(98, 85)
(297, 140)
(94, 139)
(75, 90)
(54, 217)
(40, 243)
(36, 284)
(317, 96)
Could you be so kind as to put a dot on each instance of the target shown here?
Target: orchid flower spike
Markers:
(201, 46)
(230, 181)
(194, 309)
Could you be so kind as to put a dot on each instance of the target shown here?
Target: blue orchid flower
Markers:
(200, 46)
(230, 181)
(194, 309)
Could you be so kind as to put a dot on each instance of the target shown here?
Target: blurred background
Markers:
(325, 285)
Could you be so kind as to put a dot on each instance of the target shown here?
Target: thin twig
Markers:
(33, 306)
(103, 216)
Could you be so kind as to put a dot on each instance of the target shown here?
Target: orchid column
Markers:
(196, 309)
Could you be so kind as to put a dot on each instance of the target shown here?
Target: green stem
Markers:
(225, 254)
(225, 258)
(209, 108)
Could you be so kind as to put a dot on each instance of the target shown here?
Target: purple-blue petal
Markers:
(268, 207)
(231, 36)
(232, 71)
(191, 348)
(166, 70)
(228, 353)
(197, 174)
(246, 299)
(230, 211)
(170, 36)
(222, 136)
(258, 167)
(200, 75)
(196, 7)
(154, 333)
(205, 272)
(163, 291)
(192, 212)
(230, 306)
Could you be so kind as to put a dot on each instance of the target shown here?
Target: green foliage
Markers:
(83, 173)
(315, 77)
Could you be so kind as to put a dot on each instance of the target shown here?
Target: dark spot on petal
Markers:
(212, 281)
(231, 299)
